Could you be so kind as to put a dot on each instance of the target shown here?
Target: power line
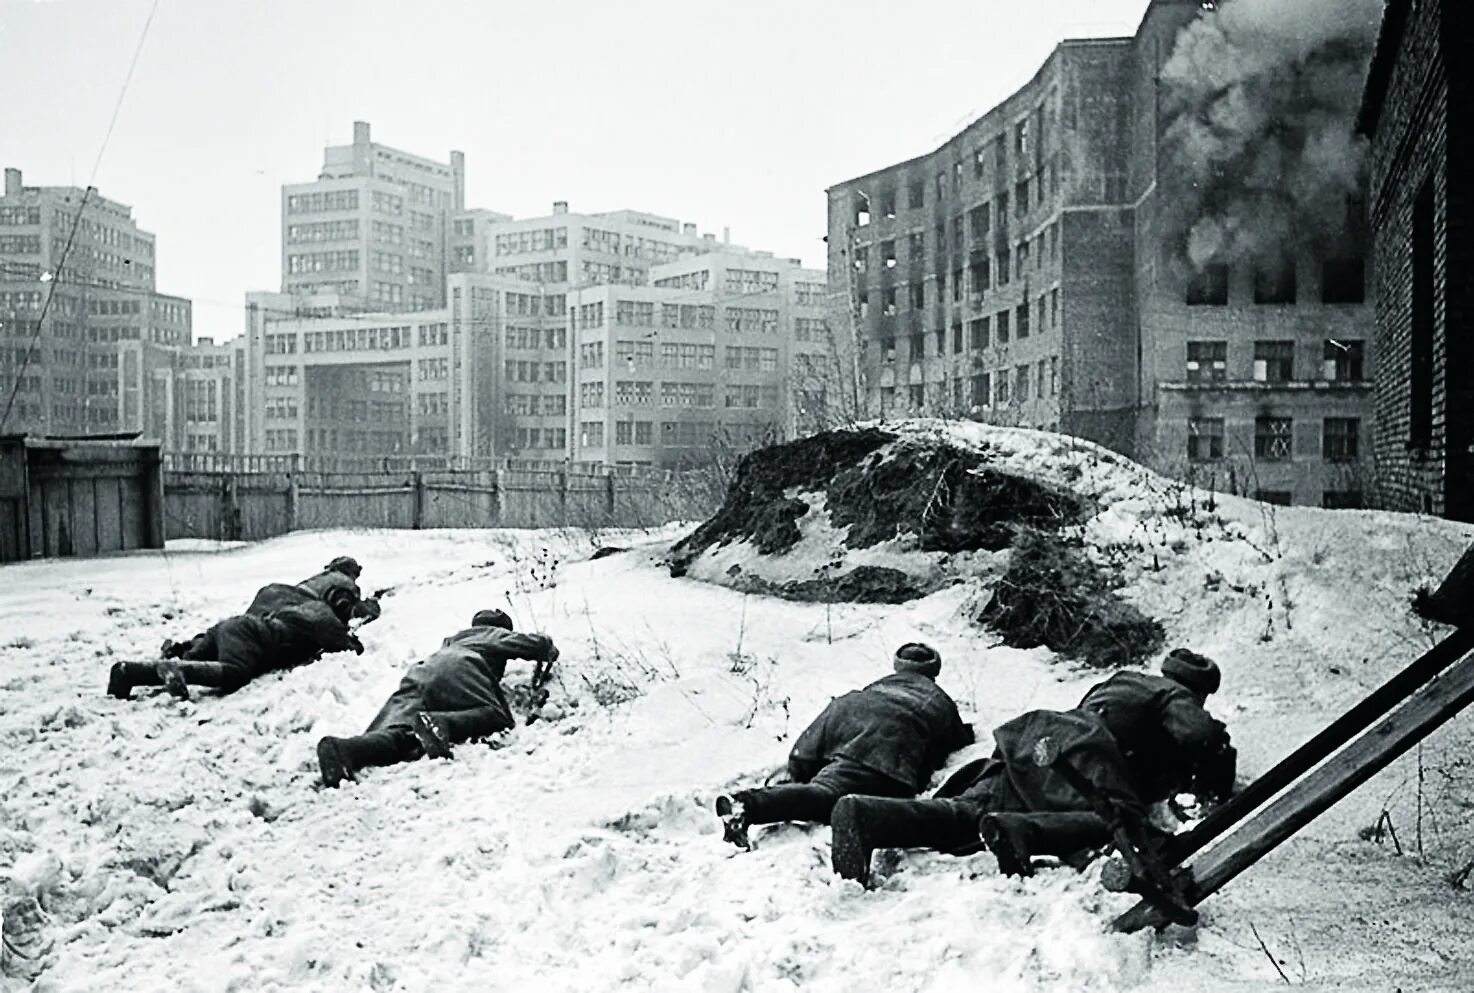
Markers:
(77, 221)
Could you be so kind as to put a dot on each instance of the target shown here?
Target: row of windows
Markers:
(519, 371)
(537, 240)
(981, 333)
(1274, 439)
(360, 339)
(751, 281)
(16, 216)
(520, 338)
(346, 230)
(698, 280)
(1342, 280)
(536, 272)
(555, 439)
(535, 404)
(20, 244)
(1342, 361)
(281, 439)
(345, 260)
(533, 305)
(281, 409)
(335, 408)
(317, 203)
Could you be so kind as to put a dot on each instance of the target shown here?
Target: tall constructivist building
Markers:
(712, 352)
(102, 359)
(487, 368)
(375, 228)
(1022, 273)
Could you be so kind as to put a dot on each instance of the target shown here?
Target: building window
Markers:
(1272, 438)
(1420, 380)
(979, 333)
(1339, 440)
(1002, 327)
(918, 390)
(1208, 287)
(918, 295)
(1274, 361)
(1344, 360)
(1207, 361)
(915, 194)
(982, 390)
(1343, 280)
(1204, 439)
(1021, 320)
(1021, 383)
(1274, 282)
(1341, 500)
(1279, 497)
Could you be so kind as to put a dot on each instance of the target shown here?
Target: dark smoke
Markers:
(1261, 98)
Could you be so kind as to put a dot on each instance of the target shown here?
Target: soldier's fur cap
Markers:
(917, 657)
(492, 619)
(345, 564)
(1197, 672)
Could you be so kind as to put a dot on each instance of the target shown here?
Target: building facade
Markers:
(87, 366)
(375, 228)
(719, 351)
(1023, 273)
(1420, 217)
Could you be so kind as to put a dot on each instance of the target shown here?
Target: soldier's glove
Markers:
(355, 644)
(1213, 780)
(370, 610)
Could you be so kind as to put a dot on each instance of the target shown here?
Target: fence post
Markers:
(609, 492)
(230, 510)
(563, 496)
(294, 492)
(496, 497)
(421, 499)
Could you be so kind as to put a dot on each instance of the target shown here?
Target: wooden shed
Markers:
(79, 496)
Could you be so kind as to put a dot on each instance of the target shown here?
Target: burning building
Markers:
(1157, 243)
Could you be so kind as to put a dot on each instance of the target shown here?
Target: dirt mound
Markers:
(887, 515)
(880, 487)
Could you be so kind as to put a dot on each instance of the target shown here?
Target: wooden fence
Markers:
(227, 504)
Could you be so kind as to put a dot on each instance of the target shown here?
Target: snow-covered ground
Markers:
(189, 846)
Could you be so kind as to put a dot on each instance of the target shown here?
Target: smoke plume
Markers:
(1261, 98)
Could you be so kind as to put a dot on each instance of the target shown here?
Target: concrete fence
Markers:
(264, 501)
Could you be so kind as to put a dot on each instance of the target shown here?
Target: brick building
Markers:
(1420, 217)
(1024, 273)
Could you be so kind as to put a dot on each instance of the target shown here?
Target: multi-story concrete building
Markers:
(1024, 272)
(704, 356)
(1420, 215)
(89, 365)
(375, 227)
(333, 381)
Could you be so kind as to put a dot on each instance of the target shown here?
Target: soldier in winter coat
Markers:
(238, 649)
(455, 695)
(1136, 738)
(335, 586)
(884, 740)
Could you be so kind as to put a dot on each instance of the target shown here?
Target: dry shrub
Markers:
(1054, 595)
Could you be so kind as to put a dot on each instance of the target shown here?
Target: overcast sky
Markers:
(736, 114)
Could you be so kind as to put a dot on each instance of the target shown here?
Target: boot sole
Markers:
(847, 852)
(1010, 863)
(431, 737)
(331, 764)
(118, 686)
(734, 825)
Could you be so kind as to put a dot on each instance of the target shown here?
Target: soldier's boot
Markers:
(864, 823)
(733, 814)
(123, 676)
(1016, 838)
(341, 759)
(431, 736)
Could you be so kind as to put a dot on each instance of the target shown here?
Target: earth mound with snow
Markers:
(873, 514)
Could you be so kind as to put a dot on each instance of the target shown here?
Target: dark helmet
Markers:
(492, 619)
(345, 564)
(1196, 672)
(915, 656)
